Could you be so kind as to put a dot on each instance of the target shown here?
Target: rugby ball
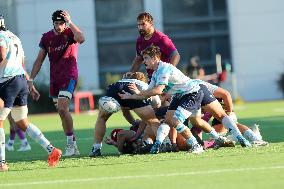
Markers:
(109, 104)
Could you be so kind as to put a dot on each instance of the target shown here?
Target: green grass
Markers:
(224, 168)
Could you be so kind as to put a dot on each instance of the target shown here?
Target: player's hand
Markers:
(125, 95)
(34, 93)
(66, 17)
(108, 141)
(133, 87)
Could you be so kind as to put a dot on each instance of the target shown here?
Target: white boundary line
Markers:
(60, 181)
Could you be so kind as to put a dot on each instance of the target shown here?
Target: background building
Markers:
(247, 33)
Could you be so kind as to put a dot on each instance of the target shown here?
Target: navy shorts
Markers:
(193, 101)
(14, 92)
(119, 87)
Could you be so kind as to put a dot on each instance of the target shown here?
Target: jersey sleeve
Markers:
(42, 43)
(163, 75)
(3, 42)
(167, 47)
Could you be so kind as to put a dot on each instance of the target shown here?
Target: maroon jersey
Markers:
(62, 52)
(158, 39)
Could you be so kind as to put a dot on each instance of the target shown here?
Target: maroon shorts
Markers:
(63, 85)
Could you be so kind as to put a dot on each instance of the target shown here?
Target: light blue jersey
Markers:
(12, 65)
(176, 82)
(210, 87)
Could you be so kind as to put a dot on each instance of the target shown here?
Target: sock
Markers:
(214, 134)
(191, 141)
(37, 136)
(2, 146)
(24, 141)
(11, 142)
(21, 133)
(70, 140)
(98, 146)
(12, 134)
(231, 126)
(162, 132)
(251, 136)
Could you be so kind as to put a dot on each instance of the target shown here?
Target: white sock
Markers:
(2, 146)
(162, 132)
(24, 141)
(191, 141)
(214, 134)
(11, 142)
(98, 146)
(70, 140)
(231, 126)
(37, 136)
(251, 136)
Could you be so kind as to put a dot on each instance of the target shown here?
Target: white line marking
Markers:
(41, 182)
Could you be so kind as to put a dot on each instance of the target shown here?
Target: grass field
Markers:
(224, 168)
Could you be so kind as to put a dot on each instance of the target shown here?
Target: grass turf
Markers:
(223, 168)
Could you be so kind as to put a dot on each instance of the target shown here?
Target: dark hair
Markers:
(145, 16)
(56, 16)
(152, 51)
(2, 23)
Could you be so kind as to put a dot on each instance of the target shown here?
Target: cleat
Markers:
(77, 152)
(144, 149)
(244, 142)
(95, 153)
(258, 143)
(223, 142)
(9, 147)
(54, 157)
(155, 148)
(256, 130)
(25, 147)
(3, 167)
(71, 150)
(174, 148)
(196, 149)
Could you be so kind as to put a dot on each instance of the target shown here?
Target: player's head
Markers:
(2, 23)
(151, 57)
(114, 133)
(145, 23)
(135, 75)
(58, 21)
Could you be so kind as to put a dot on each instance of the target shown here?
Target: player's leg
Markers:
(99, 133)
(10, 143)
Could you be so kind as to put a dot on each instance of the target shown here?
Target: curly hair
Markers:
(145, 16)
(152, 51)
(135, 75)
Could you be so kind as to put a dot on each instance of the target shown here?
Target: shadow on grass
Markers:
(272, 129)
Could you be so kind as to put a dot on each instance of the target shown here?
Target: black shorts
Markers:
(193, 101)
(14, 92)
(119, 87)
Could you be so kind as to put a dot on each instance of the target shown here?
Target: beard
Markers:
(142, 32)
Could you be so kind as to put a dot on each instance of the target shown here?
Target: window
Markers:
(116, 34)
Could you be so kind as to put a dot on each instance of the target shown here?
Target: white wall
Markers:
(34, 19)
(257, 42)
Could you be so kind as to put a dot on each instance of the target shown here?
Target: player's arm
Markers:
(3, 54)
(137, 62)
(175, 58)
(226, 97)
(128, 116)
(157, 90)
(78, 35)
(38, 63)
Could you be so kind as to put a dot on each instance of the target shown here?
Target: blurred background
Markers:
(248, 34)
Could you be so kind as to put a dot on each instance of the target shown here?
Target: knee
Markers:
(63, 111)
